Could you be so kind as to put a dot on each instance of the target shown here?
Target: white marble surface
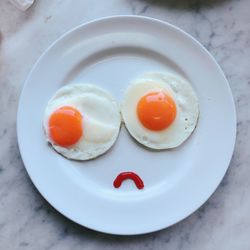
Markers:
(27, 221)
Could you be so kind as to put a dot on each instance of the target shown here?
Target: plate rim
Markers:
(197, 43)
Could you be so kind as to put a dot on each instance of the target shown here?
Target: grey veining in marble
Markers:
(27, 221)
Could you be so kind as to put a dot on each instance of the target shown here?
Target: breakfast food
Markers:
(160, 110)
(81, 121)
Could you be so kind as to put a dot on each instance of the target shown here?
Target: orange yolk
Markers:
(156, 110)
(65, 126)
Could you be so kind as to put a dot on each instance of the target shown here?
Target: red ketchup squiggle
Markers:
(128, 175)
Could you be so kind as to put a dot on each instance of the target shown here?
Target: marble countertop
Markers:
(27, 221)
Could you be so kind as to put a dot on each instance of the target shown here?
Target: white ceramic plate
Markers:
(111, 52)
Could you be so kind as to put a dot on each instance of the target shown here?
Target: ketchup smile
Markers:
(128, 175)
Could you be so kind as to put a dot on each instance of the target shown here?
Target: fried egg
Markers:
(160, 110)
(81, 121)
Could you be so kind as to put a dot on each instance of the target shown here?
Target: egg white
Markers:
(186, 117)
(101, 120)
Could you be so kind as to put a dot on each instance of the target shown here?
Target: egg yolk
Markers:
(156, 110)
(65, 126)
